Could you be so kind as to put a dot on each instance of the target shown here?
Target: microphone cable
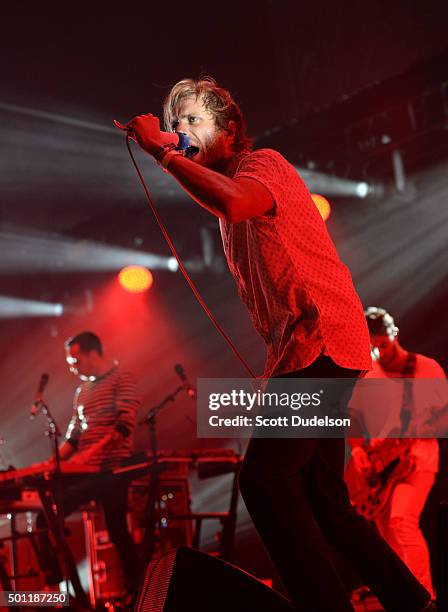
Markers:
(187, 277)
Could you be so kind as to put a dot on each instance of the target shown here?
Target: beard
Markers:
(214, 152)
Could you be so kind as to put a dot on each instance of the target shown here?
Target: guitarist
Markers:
(398, 521)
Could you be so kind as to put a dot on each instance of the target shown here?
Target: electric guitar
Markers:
(370, 490)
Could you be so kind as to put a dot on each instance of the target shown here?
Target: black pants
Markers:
(111, 493)
(296, 495)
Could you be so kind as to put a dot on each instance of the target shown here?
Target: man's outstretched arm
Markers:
(230, 199)
(233, 200)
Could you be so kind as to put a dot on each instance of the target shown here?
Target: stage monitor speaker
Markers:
(186, 580)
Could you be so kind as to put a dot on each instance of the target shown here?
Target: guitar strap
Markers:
(406, 407)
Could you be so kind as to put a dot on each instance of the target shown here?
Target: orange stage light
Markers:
(323, 205)
(135, 279)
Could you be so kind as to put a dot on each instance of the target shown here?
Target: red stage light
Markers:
(135, 279)
(323, 205)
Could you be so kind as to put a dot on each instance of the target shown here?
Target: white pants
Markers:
(399, 524)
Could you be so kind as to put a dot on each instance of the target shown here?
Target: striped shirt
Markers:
(107, 404)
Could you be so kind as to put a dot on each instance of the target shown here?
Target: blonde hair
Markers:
(216, 100)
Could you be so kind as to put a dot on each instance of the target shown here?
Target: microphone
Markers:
(191, 391)
(43, 382)
(179, 140)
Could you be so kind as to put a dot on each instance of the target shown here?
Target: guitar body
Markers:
(371, 489)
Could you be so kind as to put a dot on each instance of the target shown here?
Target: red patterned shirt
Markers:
(299, 294)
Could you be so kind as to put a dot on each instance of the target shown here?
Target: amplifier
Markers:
(104, 573)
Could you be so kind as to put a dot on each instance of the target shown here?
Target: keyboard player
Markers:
(100, 435)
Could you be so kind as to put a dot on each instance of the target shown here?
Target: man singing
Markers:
(301, 300)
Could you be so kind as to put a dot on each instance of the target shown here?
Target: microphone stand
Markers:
(56, 519)
(152, 523)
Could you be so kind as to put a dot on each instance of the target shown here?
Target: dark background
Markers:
(336, 87)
